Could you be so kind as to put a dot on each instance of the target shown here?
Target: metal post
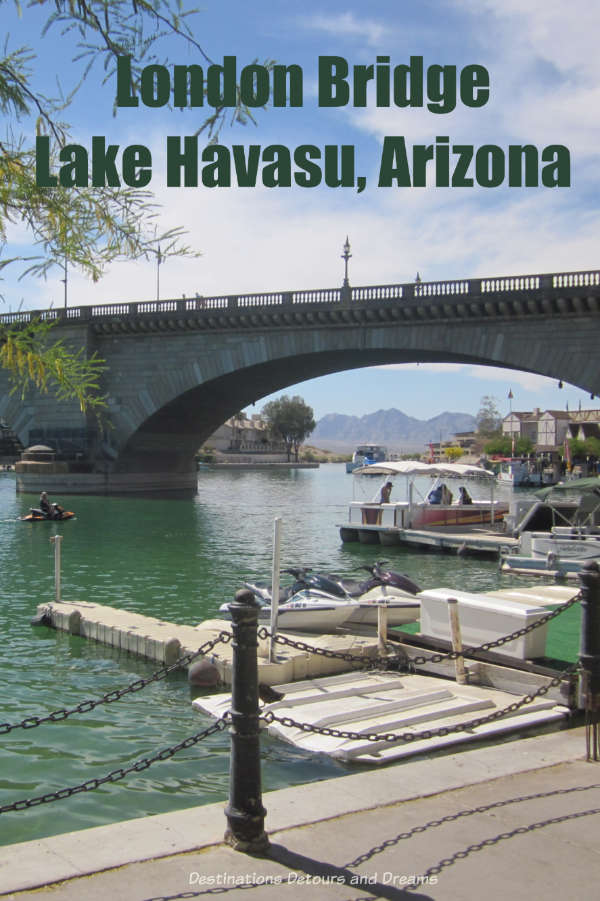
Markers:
(461, 676)
(589, 655)
(382, 623)
(56, 539)
(245, 812)
(275, 585)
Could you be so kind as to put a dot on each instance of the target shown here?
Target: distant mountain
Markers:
(390, 427)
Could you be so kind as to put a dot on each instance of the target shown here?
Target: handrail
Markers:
(362, 296)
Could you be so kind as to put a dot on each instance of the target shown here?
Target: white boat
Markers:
(551, 566)
(561, 542)
(561, 550)
(306, 611)
(418, 486)
(365, 454)
(518, 473)
(401, 607)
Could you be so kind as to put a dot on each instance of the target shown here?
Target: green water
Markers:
(178, 560)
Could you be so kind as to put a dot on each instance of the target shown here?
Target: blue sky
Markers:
(545, 88)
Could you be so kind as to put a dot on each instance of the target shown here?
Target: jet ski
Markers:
(36, 515)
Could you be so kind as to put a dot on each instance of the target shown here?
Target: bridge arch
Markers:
(178, 370)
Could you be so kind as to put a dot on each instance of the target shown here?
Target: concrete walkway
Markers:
(518, 820)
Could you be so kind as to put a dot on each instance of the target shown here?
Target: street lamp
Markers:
(346, 256)
(64, 280)
(158, 262)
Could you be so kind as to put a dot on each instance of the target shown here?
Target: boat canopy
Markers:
(571, 486)
(431, 470)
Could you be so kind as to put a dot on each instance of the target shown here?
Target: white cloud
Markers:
(527, 380)
(348, 24)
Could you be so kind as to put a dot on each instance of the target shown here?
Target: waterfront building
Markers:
(243, 435)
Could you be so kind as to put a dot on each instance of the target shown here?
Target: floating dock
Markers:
(459, 539)
(390, 704)
(165, 642)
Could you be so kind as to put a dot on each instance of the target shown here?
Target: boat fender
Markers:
(204, 674)
(42, 619)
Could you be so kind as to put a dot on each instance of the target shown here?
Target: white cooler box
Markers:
(484, 618)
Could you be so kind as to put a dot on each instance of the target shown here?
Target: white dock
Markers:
(459, 539)
(165, 642)
(384, 703)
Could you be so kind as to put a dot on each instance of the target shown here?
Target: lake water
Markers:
(178, 560)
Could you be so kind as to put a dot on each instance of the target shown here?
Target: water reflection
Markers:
(178, 559)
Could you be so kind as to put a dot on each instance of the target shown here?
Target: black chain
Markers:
(117, 775)
(498, 642)
(263, 633)
(392, 737)
(85, 706)
(461, 814)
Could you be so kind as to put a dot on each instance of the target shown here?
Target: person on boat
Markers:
(446, 495)
(386, 490)
(435, 495)
(463, 496)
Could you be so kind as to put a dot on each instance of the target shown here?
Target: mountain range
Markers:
(392, 428)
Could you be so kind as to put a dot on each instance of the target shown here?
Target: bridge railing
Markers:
(437, 289)
(576, 280)
(362, 295)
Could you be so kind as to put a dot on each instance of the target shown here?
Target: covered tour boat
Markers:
(428, 496)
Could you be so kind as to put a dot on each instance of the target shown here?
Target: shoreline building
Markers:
(244, 439)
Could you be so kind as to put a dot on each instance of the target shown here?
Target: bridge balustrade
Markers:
(434, 289)
(365, 295)
(576, 280)
(320, 295)
(378, 292)
(260, 300)
(517, 283)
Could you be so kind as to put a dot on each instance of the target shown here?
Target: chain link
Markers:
(369, 662)
(116, 775)
(116, 694)
(393, 737)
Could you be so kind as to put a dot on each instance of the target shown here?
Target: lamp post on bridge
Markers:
(346, 293)
(64, 280)
(158, 262)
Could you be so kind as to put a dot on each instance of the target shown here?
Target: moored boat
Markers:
(306, 611)
(572, 510)
(518, 473)
(425, 502)
(400, 609)
(365, 455)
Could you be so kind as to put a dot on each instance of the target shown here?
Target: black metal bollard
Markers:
(245, 812)
(589, 655)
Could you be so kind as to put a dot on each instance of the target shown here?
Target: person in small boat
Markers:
(384, 495)
(463, 496)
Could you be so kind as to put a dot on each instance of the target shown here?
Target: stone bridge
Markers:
(176, 369)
